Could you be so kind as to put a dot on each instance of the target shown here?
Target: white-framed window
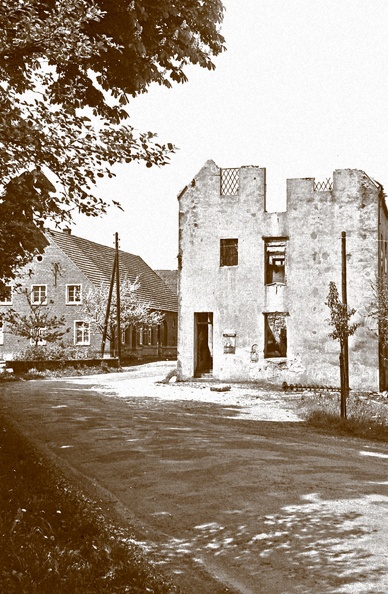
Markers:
(41, 340)
(140, 336)
(73, 294)
(6, 296)
(123, 336)
(39, 294)
(147, 335)
(81, 332)
(1, 333)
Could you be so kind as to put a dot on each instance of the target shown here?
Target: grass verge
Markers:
(54, 539)
(366, 417)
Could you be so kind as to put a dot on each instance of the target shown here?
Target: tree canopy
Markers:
(340, 315)
(67, 71)
(39, 325)
(133, 310)
(379, 308)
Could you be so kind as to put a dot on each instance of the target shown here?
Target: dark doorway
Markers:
(203, 344)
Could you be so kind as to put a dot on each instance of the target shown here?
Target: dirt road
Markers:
(228, 491)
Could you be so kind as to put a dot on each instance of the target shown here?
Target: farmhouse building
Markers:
(59, 279)
(253, 284)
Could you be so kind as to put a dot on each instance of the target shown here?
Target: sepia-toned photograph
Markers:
(193, 297)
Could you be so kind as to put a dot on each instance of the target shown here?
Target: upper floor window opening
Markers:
(229, 181)
(228, 252)
(275, 261)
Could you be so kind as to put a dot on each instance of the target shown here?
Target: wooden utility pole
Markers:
(106, 322)
(118, 298)
(344, 357)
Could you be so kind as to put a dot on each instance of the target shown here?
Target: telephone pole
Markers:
(344, 342)
(118, 299)
(107, 314)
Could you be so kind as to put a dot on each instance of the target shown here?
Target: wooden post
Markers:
(108, 308)
(118, 299)
(344, 342)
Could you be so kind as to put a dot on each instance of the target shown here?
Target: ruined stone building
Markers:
(253, 284)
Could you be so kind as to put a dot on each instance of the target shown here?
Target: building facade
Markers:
(59, 279)
(253, 284)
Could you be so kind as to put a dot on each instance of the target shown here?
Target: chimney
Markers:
(67, 230)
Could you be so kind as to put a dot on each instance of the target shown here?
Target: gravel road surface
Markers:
(228, 491)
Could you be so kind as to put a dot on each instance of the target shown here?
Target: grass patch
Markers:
(366, 417)
(54, 539)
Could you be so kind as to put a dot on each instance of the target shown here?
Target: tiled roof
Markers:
(95, 261)
(170, 277)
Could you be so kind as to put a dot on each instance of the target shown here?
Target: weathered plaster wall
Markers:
(383, 272)
(237, 295)
(314, 259)
(234, 294)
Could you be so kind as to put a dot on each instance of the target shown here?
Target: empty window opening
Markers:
(230, 181)
(228, 252)
(275, 335)
(275, 260)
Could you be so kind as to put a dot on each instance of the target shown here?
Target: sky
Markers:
(301, 90)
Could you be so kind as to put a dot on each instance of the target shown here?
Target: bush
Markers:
(35, 374)
(55, 352)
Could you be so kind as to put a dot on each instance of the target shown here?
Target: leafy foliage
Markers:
(67, 68)
(340, 315)
(39, 325)
(55, 352)
(133, 310)
(379, 308)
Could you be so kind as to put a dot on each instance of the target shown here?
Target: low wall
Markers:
(43, 365)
